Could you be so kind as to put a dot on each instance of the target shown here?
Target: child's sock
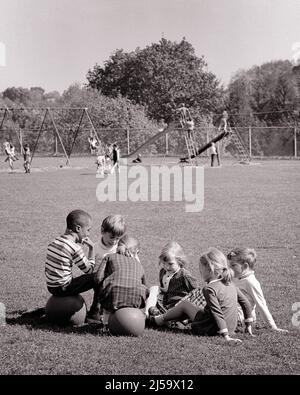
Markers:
(159, 320)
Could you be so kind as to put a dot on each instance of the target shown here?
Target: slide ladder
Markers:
(189, 139)
(239, 144)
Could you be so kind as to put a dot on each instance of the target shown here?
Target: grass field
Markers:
(255, 206)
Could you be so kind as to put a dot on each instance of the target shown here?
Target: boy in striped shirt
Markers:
(66, 251)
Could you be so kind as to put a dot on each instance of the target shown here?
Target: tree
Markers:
(36, 94)
(269, 89)
(265, 95)
(17, 95)
(160, 77)
(111, 117)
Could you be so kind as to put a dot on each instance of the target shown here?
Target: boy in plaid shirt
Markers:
(122, 278)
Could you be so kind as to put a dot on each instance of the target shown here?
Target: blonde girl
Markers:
(175, 281)
(219, 316)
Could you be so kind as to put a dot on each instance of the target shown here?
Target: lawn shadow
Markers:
(88, 174)
(173, 327)
(41, 323)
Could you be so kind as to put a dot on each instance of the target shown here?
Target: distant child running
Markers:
(122, 278)
(27, 158)
(219, 316)
(116, 159)
(66, 251)
(10, 154)
(242, 261)
(175, 281)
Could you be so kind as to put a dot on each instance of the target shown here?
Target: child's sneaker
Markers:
(36, 313)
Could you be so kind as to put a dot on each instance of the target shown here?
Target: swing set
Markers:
(44, 119)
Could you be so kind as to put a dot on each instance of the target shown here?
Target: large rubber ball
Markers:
(127, 321)
(66, 310)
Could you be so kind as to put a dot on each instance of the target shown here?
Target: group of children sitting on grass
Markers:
(113, 270)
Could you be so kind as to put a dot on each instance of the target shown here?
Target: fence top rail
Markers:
(42, 108)
(265, 127)
(85, 129)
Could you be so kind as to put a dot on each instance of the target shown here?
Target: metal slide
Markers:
(206, 146)
(167, 129)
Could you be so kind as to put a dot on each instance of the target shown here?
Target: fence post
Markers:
(295, 141)
(128, 142)
(250, 141)
(167, 144)
(207, 140)
(21, 140)
(55, 146)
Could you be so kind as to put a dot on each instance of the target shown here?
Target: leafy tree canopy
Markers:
(160, 77)
(269, 89)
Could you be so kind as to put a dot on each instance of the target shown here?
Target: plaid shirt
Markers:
(180, 285)
(122, 282)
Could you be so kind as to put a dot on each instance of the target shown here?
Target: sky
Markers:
(53, 43)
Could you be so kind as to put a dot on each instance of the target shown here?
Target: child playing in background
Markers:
(214, 154)
(175, 282)
(224, 122)
(219, 316)
(184, 115)
(122, 278)
(27, 158)
(93, 142)
(115, 159)
(190, 126)
(242, 261)
(10, 154)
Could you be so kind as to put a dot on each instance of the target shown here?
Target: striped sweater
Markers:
(62, 254)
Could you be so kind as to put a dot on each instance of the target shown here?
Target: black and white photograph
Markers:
(150, 185)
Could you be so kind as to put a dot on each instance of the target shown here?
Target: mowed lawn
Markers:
(255, 206)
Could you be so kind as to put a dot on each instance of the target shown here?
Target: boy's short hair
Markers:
(114, 224)
(77, 217)
(243, 255)
(128, 245)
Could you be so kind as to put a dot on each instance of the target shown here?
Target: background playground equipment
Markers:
(50, 129)
(232, 134)
(63, 132)
(169, 128)
(191, 145)
(66, 310)
(127, 321)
